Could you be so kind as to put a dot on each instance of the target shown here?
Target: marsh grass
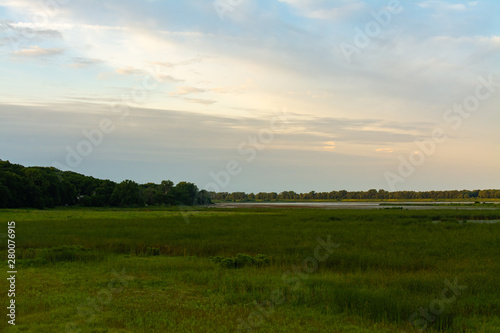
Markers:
(389, 264)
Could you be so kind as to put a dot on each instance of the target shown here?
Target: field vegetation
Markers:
(255, 270)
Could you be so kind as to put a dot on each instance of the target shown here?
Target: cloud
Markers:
(190, 145)
(194, 60)
(325, 10)
(444, 6)
(85, 62)
(162, 63)
(357, 131)
(4, 25)
(181, 91)
(130, 71)
(36, 51)
(28, 30)
(301, 132)
(384, 150)
(190, 61)
(187, 90)
(233, 89)
(200, 101)
(329, 145)
(169, 78)
(405, 78)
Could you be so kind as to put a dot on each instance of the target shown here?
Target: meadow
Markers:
(254, 270)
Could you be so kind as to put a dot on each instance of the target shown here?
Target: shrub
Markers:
(35, 257)
(61, 253)
(152, 251)
(241, 260)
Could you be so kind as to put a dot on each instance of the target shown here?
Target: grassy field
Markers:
(258, 270)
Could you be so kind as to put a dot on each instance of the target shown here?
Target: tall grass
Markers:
(390, 263)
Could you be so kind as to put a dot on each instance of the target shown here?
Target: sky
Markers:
(255, 95)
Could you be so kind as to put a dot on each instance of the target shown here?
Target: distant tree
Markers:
(6, 198)
(371, 194)
(166, 186)
(261, 196)
(150, 193)
(382, 194)
(127, 193)
(203, 198)
(185, 193)
(239, 196)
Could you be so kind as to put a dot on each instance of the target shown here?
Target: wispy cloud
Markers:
(160, 75)
(325, 10)
(85, 62)
(181, 91)
(129, 70)
(445, 6)
(29, 29)
(36, 51)
(385, 150)
(162, 63)
(329, 146)
(200, 101)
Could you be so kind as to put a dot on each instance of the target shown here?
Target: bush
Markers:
(34, 257)
(61, 253)
(152, 251)
(241, 260)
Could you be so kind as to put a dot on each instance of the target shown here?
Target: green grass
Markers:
(155, 270)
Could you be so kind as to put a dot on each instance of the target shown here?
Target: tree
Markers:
(150, 193)
(6, 198)
(127, 193)
(371, 194)
(166, 186)
(203, 198)
(185, 193)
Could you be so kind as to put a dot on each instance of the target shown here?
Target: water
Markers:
(348, 205)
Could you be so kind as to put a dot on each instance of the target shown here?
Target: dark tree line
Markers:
(345, 195)
(41, 187)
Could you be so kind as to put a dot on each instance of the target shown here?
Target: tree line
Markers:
(356, 195)
(48, 187)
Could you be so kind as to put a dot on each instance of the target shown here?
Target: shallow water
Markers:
(348, 205)
(483, 221)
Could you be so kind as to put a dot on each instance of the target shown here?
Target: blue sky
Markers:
(255, 95)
